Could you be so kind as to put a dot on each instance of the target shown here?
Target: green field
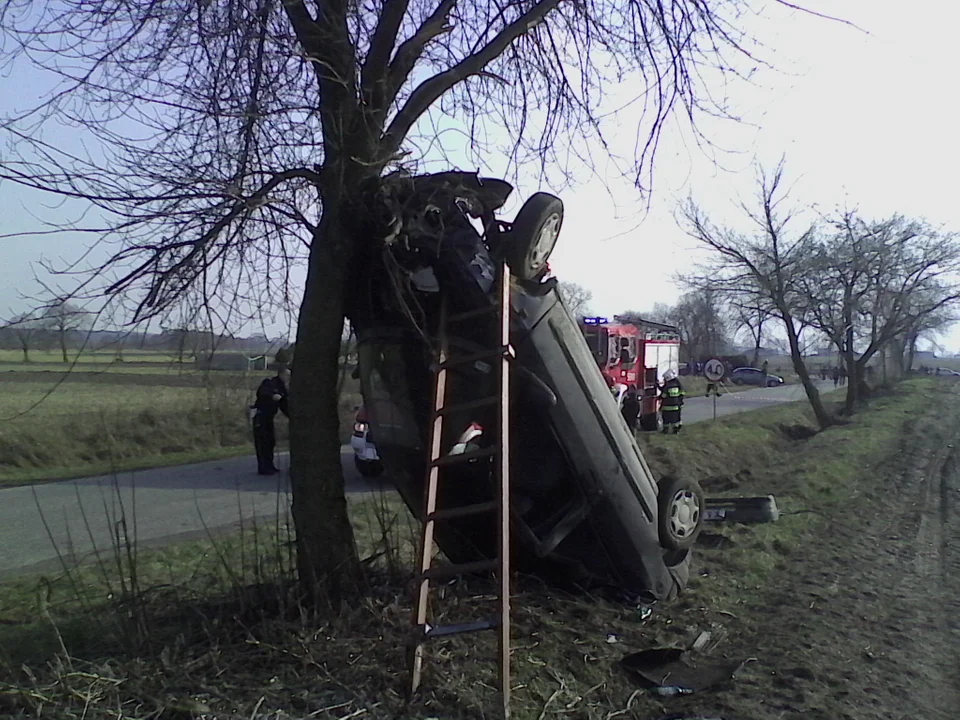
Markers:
(99, 419)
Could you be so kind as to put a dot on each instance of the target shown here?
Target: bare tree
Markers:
(703, 329)
(869, 286)
(576, 297)
(64, 320)
(237, 140)
(751, 315)
(766, 264)
(25, 330)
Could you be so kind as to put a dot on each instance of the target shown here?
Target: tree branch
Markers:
(430, 90)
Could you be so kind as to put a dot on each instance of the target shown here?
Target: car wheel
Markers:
(652, 422)
(368, 468)
(680, 504)
(534, 235)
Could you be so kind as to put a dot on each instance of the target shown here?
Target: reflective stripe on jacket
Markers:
(672, 395)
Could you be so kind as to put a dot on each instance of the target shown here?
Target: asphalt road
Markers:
(74, 518)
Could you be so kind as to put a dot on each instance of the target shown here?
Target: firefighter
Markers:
(271, 397)
(671, 402)
(631, 408)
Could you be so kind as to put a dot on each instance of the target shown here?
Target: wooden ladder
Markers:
(438, 459)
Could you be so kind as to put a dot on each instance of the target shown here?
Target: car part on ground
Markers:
(584, 504)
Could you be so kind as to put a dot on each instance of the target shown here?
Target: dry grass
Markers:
(219, 633)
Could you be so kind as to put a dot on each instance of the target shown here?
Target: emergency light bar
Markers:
(594, 320)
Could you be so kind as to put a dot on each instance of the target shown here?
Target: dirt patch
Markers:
(861, 623)
(797, 432)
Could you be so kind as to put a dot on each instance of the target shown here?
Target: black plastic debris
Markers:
(741, 510)
(672, 671)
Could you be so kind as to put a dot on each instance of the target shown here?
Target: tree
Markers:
(703, 330)
(64, 319)
(26, 330)
(241, 138)
(767, 265)
(576, 297)
(874, 285)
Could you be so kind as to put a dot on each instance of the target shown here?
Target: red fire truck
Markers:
(633, 354)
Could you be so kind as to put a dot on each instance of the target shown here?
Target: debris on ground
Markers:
(742, 510)
(670, 671)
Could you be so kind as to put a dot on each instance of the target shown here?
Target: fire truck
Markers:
(633, 354)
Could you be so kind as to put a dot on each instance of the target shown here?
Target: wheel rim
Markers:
(684, 514)
(546, 239)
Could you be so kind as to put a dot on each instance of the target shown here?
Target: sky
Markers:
(864, 116)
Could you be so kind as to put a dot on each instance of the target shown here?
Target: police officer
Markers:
(671, 402)
(271, 397)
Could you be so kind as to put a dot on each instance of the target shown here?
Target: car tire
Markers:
(652, 422)
(680, 503)
(534, 235)
(368, 468)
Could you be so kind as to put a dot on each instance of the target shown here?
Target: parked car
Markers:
(587, 510)
(365, 455)
(753, 376)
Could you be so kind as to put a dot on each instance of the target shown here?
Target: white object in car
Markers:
(363, 449)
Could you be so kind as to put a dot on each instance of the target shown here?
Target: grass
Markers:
(94, 423)
(84, 358)
(211, 626)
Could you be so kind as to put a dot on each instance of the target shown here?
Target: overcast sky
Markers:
(865, 119)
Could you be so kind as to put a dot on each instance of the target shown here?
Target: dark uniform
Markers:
(671, 395)
(265, 410)
(631, 408)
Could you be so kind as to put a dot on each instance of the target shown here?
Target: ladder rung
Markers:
(470, 314)
(466, 456)
(474, 357)
(448, 571)
(472, 405)
(433, 631)
(464, 511)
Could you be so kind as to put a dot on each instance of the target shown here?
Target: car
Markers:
(365, 455)
(586, 510)
(753, 376)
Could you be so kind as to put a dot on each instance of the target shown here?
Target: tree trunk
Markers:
(63, 347)
(26, 353)
(849, 359)
(758, 338)
(911, 353)
(327, 560)
(799, 366)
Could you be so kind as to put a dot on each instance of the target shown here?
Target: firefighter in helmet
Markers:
(671, 402)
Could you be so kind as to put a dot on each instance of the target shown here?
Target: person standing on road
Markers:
(671, 402)
(271, 397)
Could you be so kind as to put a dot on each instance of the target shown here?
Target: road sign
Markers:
(714, 370)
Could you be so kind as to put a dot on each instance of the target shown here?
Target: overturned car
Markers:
(586, 510)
